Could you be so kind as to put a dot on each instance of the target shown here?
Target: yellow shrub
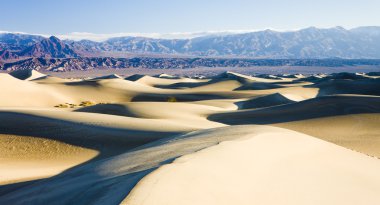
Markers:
(86, 103)
(172, 99)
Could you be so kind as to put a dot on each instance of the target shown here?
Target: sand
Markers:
(27, 74)
(170, 139)
(271, 166)
(347, 120)
(25, 158)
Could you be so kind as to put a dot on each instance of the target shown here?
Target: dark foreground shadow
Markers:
(153, 97)
(108, 141)
(110, 180)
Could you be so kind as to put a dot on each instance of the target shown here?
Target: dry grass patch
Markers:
(71, 105)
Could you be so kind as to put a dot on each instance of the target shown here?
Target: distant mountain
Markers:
(309, 43)
(363, 42)
(21, 46)
(12, 43)
(69, 64)
(49, 48)
(6, 54)
(17, 42)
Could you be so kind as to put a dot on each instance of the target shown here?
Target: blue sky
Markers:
(167, 16)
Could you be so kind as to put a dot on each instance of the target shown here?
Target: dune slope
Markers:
(268, 162)
(169, 139)
(347, 120)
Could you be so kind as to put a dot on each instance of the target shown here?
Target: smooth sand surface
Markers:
(227, 139)
(271, 166)
(25, 158)
(347, 120)
(359, 132)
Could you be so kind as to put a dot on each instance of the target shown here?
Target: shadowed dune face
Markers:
(359, 132)
(347, 120)
(348, 86)
(313, 108)
(42, 144)
(122, 172)
(249, 170)
(27, 74)
(264, 101)
(25, 158)
(140, 139)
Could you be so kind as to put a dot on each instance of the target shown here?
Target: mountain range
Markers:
(309, 43)
(89, 63)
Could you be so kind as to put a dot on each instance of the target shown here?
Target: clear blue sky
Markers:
(166, 16)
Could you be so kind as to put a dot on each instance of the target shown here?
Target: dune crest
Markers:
(270, 162)
(27, 74)
(170, 139)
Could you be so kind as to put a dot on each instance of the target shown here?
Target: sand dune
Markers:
(168, 139)
(119, 173)
(167, 76)
(62, 139)
(53, 80)
(314, 108)
(271, 162)
(25, 158)
(90, 133)
(261, 151)
(27, 74)
(292, 76)
(347, 120)
(112, 76)
(187, 113)
(153, 81)
(245, 78)
(265, 101)
(27, 93)
(359, 132)
(361, 87)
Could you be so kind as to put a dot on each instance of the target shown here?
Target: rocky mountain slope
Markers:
(87, 63)
(336, 42)
(362, 42)
(50, 48)
(19, 51)
(17, 41)
(29, 47)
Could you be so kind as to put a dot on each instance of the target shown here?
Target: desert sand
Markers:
(167, 139)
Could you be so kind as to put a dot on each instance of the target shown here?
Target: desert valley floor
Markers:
(227, 139)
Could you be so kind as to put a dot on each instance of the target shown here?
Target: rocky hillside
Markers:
(69, 64)
(46, 48)
(240, 50)
(310, 43)
(49, 48)
(336, 42)
(17, 42)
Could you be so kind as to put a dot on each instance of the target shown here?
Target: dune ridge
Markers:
(172, 139)
(271, 162)
(27, 74)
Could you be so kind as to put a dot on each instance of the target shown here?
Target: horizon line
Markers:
(97, 37)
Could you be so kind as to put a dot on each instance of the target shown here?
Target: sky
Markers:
(80, 18)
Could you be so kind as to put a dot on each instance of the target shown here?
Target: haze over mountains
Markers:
(19, 51)
(337, 42)
(231, 102)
